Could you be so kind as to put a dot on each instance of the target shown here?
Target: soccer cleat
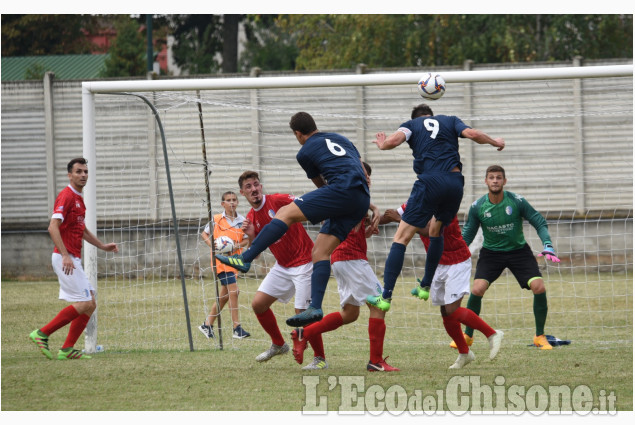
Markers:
(308, 316)
(317, 364)
(468, 340)
(299, 345)
(235, 261)
(463, 359)
(42, 341)
(379, 302)
(274, 350)
(71, 354)
(541, 341)
(495, 344)
(207, 330)
(421, 293)
(240, 333)
(382, 366)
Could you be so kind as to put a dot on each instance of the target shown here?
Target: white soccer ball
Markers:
(224, 244)
(431, 86)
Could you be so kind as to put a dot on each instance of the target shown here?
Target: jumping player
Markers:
(436, 194)
(355, 281)
(342, 199)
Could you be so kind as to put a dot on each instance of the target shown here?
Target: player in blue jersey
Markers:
(342, 199)
(437, 192)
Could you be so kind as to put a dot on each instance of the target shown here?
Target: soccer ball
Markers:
(431, 86)
(224, 244)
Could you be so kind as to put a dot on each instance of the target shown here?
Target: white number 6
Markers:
(335, 149)
(432, 125)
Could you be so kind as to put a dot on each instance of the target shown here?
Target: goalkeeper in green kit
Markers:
(500, 214)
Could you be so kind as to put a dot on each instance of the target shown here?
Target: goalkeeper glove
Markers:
(549, 253)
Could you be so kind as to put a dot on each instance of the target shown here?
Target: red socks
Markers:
(471, 319)
(453, 328)
(77, 327)
(64, 317)
(330, 322)
(270, 325)
(376, 332)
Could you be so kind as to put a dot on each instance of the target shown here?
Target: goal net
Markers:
(569, 153)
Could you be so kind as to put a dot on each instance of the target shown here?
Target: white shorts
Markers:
(355, 281)
(73, 287)
(283, 283)
(451, 282)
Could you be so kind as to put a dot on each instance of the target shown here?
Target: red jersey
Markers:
(353, 247)
(69, 207)
(293, 249)
(455, 250)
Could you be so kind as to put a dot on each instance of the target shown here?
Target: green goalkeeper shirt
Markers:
(502, 223)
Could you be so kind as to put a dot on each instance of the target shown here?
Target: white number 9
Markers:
(432, 126)
(335, 149)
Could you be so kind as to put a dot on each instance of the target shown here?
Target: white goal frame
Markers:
(90, 89)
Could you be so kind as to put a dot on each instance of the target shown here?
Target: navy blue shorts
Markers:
(437, 195)
(227, 278)
(342, 208)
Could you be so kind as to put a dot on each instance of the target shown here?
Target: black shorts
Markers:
(521, 262)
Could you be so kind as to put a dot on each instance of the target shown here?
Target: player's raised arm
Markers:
(391, 142)
(482, 138)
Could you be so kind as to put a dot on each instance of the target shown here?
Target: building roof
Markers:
(65, 67)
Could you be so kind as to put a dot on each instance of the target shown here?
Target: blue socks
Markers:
(319, 280)
(394, 263)
(267, 236)
(435, 250)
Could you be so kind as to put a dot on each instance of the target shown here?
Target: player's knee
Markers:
(349, 315)
(479, 287)
(537, 286)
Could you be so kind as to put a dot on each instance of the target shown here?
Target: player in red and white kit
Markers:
(289, 276)
(355, 281)
(450, 284)
(67, 229)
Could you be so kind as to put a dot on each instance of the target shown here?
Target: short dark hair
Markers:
(420, 111)
(74, 161)
(302, 122)
(229, 192)
(367, 167)
(495, 169)
(247, 175)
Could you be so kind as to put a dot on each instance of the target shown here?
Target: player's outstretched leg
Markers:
(463, 360)
(235, 261)
(308, 316)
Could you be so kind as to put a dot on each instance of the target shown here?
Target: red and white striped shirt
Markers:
(293, 249)
(69, 207)
(455, 250)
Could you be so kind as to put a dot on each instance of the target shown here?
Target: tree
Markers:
(127, 55)
(269, 46)
(34, 35)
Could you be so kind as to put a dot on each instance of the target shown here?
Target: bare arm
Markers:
(483, 139)
(206, 238)
(94, 240)
(387, 143)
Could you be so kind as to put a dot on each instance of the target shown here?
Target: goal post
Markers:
(507, 103)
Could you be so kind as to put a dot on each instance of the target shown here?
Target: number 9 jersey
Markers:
(434, 141)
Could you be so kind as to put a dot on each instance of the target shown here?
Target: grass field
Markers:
(600, 358)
